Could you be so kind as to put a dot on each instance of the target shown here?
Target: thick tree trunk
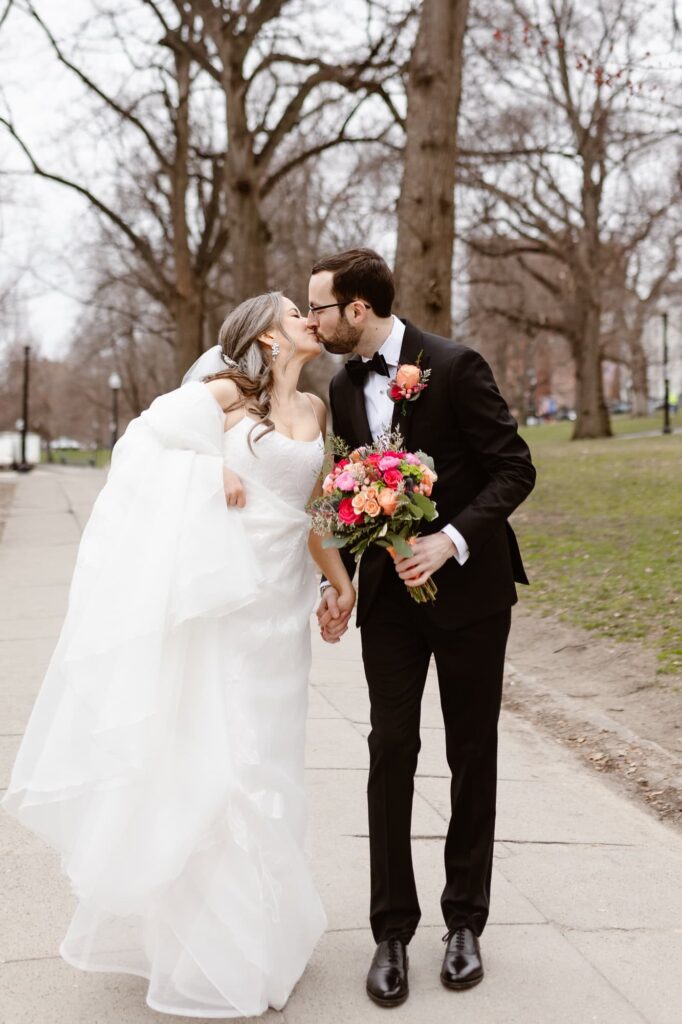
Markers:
(592, 417)
(426, 205)
(640, 383)
(592, 414)
(247, 230)
(250, 238)
(189, 331)
(188, 298)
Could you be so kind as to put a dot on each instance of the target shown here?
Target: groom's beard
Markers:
(343, 340)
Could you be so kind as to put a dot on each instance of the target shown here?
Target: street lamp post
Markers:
(666, 383)
(23, 466)
(115, 385)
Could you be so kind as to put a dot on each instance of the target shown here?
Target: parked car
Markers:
(66, 444)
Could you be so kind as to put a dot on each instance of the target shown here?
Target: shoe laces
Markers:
(394, 951)
(459, 935)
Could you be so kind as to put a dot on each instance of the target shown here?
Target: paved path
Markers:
(586, 922)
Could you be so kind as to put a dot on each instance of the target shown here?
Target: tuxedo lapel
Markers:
(413, 344)
(354, 397)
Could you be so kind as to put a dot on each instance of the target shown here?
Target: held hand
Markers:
(235, 494)
(430, 553)
(346, 600)
(333, 614)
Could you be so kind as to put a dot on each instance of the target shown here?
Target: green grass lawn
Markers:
(601, 534)
(74, 457)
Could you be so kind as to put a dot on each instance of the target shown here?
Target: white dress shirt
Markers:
(380, 412)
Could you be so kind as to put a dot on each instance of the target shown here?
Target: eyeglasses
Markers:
(314, 310)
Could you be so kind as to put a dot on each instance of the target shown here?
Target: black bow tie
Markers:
(358, 368)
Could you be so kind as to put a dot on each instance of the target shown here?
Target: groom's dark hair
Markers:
(360, 274)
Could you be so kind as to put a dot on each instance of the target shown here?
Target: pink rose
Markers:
(347, 513)
(388, 462)
(345, 481)
(392, 478)
(328, 485)
(412, 459)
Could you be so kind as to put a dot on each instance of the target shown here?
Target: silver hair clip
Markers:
(227, 360)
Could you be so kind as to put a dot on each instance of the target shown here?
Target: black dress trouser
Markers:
(398, 640)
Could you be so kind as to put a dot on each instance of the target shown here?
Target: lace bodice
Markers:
(287, 467)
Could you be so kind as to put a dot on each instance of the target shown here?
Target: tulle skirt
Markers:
(164, 755)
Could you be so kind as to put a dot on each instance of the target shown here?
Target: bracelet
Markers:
(323, 586)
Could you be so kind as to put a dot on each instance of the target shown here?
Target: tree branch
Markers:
(124, 113)
(140, 244)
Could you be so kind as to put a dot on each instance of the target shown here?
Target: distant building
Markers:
(510, 317)
(507, 314)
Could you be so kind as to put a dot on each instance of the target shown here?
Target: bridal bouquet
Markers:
(376, 494)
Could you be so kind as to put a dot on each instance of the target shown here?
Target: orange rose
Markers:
(372, 508)
(388, 499)
(359, 502)
(407, 376)
(429, 479)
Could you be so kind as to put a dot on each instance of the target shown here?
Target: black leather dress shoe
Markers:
(462, 965)
(387, 978)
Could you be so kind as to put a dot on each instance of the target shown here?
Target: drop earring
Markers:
(275, 350)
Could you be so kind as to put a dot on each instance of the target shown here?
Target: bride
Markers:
(164, 755)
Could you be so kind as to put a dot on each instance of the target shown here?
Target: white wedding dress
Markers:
(164, 755)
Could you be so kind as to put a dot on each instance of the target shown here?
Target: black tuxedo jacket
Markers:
(484, 472)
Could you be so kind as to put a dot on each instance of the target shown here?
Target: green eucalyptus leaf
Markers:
(426, 505)
(402, 547)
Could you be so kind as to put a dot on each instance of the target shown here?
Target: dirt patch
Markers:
(604, 700)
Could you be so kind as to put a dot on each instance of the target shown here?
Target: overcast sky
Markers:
(42, 224)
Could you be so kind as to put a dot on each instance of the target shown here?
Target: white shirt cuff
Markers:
(461, 547)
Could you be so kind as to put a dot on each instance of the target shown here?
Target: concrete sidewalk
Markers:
(586, 920)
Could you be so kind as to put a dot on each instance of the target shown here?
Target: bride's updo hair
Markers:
(247, 362)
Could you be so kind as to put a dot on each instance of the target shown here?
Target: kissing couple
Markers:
(164, 754)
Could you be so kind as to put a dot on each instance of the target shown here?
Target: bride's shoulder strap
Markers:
(319, 408)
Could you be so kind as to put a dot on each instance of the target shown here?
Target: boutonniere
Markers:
(410, 381)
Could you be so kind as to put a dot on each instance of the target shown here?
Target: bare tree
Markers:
(559, 130)
(221, 109)
(424, 250)
(642, 274)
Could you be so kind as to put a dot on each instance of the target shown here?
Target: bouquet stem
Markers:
(427, 592)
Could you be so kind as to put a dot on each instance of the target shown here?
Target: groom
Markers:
(484, 472)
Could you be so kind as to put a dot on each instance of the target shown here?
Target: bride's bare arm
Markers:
(227, 396)
(328, 559)
(330, 564)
